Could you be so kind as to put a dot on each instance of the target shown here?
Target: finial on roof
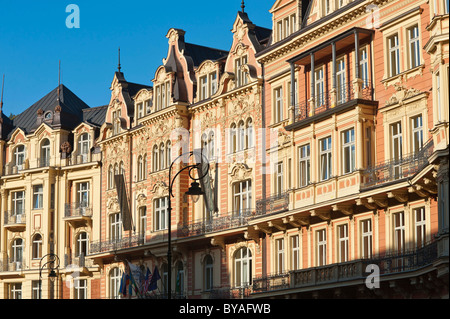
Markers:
(1, 99)
(243, 6)
(119, 66)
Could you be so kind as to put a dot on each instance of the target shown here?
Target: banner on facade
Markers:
(123, 202)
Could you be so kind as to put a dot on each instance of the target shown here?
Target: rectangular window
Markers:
(115, 222)
(161, 213)
(15, 291)
(321, 237)
(242, 197)
(417, 134)
(399, 232)
(213, 83)
(38, 196)
(280, 30)
(396, 148)
(304, 168)
(319, 88)
(18, 203)
(83, 194)
(343, 243)
(366, 239)
(280, 255)
(364, 64)
(325, 158)
(241, 75)
(295, 254)
(414, 47)
(348, 151)
(420, 225)
(80, 286)
(340, 82)
(203, 87)
(140, 108)
(279, 178)
(394, 55)
(35, 291)
(278, 92)
(287, 28)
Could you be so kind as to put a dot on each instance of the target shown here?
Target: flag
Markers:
(136, 278)
(124, 283)
(154, 280)
(148, 277)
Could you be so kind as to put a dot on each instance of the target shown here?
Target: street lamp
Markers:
(194, 191)
(52, 259)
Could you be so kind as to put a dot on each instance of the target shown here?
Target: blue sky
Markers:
(34, 37)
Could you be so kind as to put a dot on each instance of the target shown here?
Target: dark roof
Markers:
(263, 34)
(200, 53)
(134, 88)
(71, 110)
(95, 115)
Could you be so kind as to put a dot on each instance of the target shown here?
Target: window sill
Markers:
(403, 76)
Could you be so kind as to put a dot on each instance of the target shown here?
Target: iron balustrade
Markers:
(272, 205)
(14, 217)
(390, 263)
(214, 224)
(324, 101)
(398, 169)
(116, 244)
(81, 209)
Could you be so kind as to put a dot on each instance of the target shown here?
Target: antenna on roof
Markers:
(119, 66)
(243, 6)
(1, 100)
(59, 79)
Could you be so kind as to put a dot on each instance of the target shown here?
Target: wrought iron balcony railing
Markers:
(81, 209)
(231, 220)
(398, 169)
(273, 204)
(115, 244)
(8, 263)
(324, 101)
(388, 264)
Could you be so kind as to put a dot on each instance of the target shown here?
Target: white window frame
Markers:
(115, 221)
(340, 81)
(280, 251)
(364, 64)
(417, 133)
(80, 288)
(414, 46)
(420, 226)
(342, 232)
(295, 252)
(242, 197)
(321, 244)
(304, 168)
(279, 178)
(161, 213)
(366, 238)
(319, 87)
(325, 158)
(38, 196)
(278, 104)
(348, 151)
(243, 267)
(394, 55)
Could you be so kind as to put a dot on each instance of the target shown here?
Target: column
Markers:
(357, 82)
(333, 91)
(293, 101)
(313, 86)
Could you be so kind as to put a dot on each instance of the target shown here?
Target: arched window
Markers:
(110, 177)
(84, 145)
(241, 136)
(45, 153)
(155, 160)
(168, 154)
(142, 221)
(162, 157)
(180, 279)
(37, 246)
(81, 244)
(233, 138)
(19, 157)
(243, 267)
(140, 173)
(209, 275)
(115, 276)
(122, 169)
(250, 134)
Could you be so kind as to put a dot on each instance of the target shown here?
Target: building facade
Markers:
(326, 139)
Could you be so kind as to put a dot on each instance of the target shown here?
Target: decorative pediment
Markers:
(113, 205)
(143, 95)
(240, 50)
(402, 93)
(160, 189)
(141, 200)
(240, 172)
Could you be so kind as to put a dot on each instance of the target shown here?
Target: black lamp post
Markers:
(195, 191)
(52, 259)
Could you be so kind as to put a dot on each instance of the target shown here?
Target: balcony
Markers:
(325, 102)
(78, 212)
(116, 244)
(11, 266)
(389, 264)
(216, 224)
(15, 220)
(397, 170)
(272, 205)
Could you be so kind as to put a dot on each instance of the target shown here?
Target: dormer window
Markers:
(286, 26)
(241, 75)
(19, 157)
(48, 116)
(140, 110)
(208, 85)
(162, 96)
